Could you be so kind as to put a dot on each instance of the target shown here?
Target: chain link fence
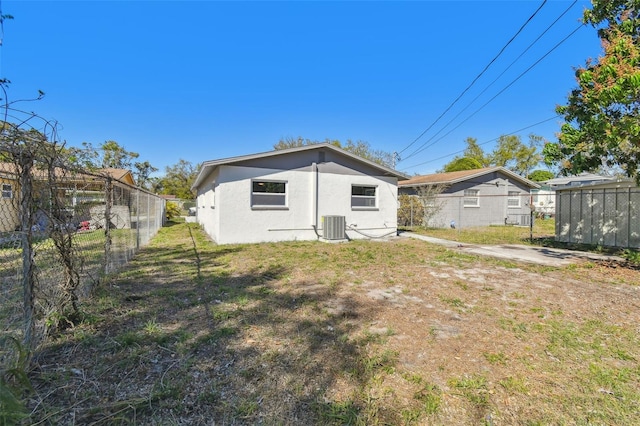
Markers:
(61, 232)
(493, 218)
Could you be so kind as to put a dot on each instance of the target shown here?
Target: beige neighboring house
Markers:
(79, 187)
(9, 198)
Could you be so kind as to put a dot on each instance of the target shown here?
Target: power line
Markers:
(499, 93)
(477, 77)
(486, 142)
(492, 83)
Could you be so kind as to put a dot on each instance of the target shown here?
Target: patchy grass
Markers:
(543, 233)
(361, 333)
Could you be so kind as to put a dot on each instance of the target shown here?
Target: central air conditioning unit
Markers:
(333, 228)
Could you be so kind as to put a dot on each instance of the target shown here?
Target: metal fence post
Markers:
(108, 201)
(148, 218)
(28, 261)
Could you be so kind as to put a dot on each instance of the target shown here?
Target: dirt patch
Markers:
(359, 333)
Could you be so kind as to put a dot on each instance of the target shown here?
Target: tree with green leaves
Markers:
(475, 151)
(178, 180)
(510, 152)
(462, 163)
(109, 154)
(143, 173)
(602, 115)
(513, 154)
(540, 175)
(360, 148)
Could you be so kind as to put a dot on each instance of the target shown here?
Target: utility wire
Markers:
(486, 142)
(499, 93)
(494, 81)
(477, 77)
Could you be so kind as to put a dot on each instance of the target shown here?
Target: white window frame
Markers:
(513, 196)
(471, 195)
(282, 197)
(360, 201)
(7, 191)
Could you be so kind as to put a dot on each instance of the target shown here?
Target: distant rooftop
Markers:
(580, 179)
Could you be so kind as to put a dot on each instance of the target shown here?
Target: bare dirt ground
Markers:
(393, 332)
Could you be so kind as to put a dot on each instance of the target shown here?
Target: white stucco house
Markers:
(313, 192)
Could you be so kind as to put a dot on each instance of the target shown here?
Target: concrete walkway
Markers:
(517, 252)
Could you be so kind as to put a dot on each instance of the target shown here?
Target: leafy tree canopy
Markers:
(143, 171)
(602, 114)
(110, 154)
(360, 148)
(462, 163)
(540, 175)
(510, 152)
(475, 151)
(178, 180)
(516, 156)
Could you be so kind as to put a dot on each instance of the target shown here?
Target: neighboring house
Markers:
(306, 193)
(9, 198)
(544, 198)
(606, 213)
(78, 188)
(480, 197)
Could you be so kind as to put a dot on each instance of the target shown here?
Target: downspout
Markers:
(314, 198)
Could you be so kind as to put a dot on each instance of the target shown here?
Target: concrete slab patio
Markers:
(517, 252)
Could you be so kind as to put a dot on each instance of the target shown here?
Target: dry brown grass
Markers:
(376, 332)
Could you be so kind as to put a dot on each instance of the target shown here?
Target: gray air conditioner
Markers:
(333, 228)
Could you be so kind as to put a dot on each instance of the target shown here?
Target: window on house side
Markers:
(514, 199)
(471, 198)
(268, 194)
(363, 196)
(7, 191)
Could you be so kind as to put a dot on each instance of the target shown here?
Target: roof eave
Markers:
(209, 166)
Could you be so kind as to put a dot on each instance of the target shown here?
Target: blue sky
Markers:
(204, 80)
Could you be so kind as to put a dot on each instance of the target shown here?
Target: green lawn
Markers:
(543, 232)
(361, 333)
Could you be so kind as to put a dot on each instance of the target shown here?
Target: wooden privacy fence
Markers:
(606, 215)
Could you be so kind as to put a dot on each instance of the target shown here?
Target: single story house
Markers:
(480, 197)
(313, 192)
(544, 199)
(606, 214)
(77, 188)
(9, 204)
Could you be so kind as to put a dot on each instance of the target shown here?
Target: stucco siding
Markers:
(494, 192)
(311, 193)
(335, 199)
(239, 222)
(207, 211)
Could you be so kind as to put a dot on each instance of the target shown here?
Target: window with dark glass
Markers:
(363, 196)
(7, 191)
(268, 193)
